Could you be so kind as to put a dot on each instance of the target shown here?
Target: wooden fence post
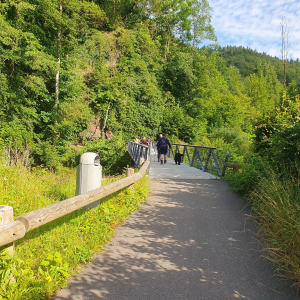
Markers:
(7, 216)
(129, 172)
(142, 160)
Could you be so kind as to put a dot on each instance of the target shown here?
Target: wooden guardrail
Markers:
(17, 229)
(234, 165)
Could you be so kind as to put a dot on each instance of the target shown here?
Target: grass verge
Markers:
(48, 255)
(276, 203)
(275, 200)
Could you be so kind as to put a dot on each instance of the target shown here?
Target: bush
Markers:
(14, 134)
(45, 153)
(110, 152)
(245, 181)
(278, 134)
(236, 142)
(113, 154)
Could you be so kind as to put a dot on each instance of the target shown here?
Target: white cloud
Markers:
(256, 24)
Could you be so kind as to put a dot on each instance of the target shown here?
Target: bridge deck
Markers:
(172, 171)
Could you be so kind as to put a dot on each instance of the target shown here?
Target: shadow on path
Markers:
(193, 240)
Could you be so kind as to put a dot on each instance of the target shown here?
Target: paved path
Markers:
(192, 240)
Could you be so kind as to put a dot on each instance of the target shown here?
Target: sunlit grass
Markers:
(48, 255)
(27, 190)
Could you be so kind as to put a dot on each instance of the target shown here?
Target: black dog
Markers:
(177, 158)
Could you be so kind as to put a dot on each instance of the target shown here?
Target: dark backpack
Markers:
(163, 143)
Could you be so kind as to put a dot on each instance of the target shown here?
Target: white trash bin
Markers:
(89, 175)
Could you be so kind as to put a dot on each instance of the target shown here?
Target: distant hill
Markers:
(246, 59)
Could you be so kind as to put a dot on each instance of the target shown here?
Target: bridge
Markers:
(194, 239)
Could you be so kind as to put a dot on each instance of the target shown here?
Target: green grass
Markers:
(276, 203)
(48, 255)
(26, 190)
(275, 199)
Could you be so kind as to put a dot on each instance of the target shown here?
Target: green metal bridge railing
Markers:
(207, 159)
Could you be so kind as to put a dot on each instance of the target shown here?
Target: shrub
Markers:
(245, 181)
(110, 152)
(236, 142)
(278, 134)
(45, 153)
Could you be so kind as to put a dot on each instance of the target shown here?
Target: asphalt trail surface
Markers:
(192, 240)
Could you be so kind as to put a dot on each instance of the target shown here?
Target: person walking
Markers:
(136, 139)
(149, 141)
(143, 141)
(163, 144)
(158, 154)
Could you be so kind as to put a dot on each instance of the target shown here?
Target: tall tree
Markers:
(58, 60)
(188, 20)
(263, 88)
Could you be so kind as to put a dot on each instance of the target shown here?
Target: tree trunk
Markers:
(104, 125)
(58, 62)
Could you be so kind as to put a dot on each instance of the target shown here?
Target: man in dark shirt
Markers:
(162, 145)
(158, 154)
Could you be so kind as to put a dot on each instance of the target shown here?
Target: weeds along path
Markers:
(192, 240)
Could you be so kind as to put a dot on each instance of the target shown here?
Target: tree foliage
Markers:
(278, 134)
(246, 59)
(131, 67)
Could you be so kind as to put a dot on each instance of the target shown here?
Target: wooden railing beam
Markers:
(27, 222)
(10, 233)
(52, 212)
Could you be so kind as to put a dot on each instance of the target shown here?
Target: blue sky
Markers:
(256, 24)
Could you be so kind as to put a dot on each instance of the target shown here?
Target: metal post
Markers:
(187, 154)
(216, 162)
(226, 160)
(207, 160)
(140, 154)
(194, 156)
(200, 159)
(135, 153)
